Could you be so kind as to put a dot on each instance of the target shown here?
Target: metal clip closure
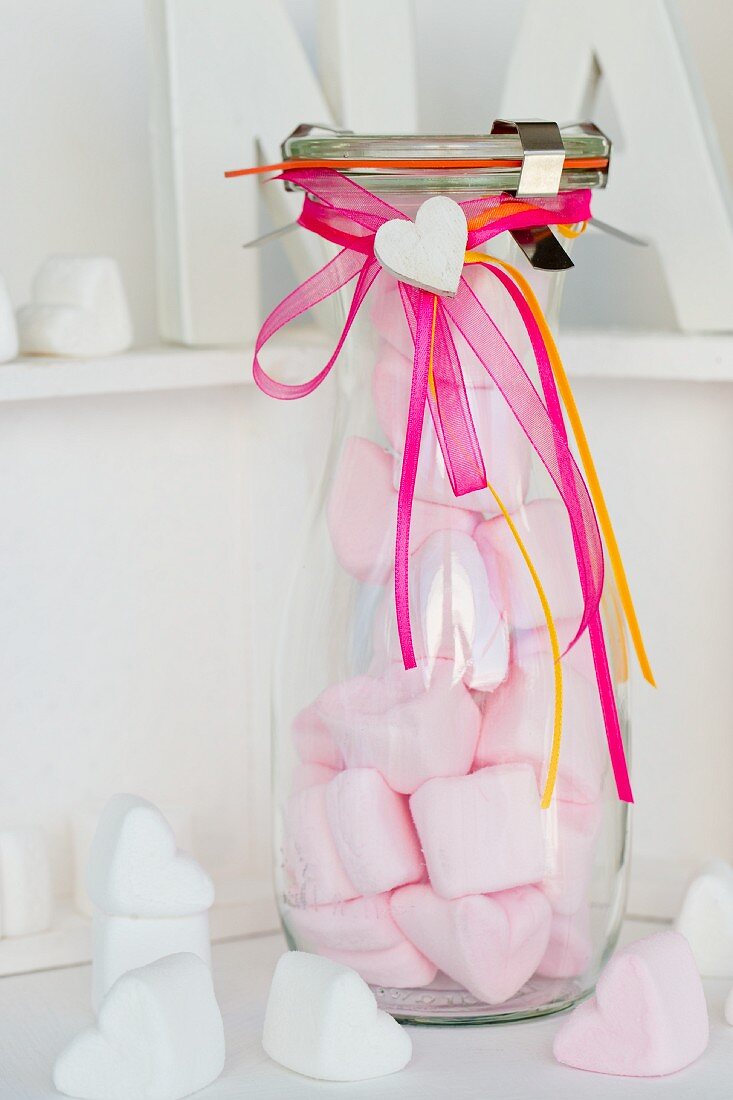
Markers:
(543, 157)
(543, 154)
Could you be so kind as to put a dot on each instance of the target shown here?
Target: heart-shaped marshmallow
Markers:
(406, 728)
(481, 833)
(706, 919)
(322, 1021)
(491, 944)
(159, 1036)
(648, 1017)
(121, 944)
(427, 253)
(135, 868)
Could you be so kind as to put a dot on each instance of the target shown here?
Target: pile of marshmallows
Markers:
(414, 842)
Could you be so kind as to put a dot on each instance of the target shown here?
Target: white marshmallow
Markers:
(26, 894)
(78, 307)
(706, 919)
(120, 944)
(84, 825)
(135, 868)
(8, 328)
(159, 1036)
(322, 1021)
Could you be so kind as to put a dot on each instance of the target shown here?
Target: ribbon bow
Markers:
(348, 215)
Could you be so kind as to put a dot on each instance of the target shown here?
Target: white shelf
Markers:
(147, 370)
(244, 907)
(656, 356)
(40, 1013)
(602, 355)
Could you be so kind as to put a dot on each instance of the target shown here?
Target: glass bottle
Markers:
(409, 839)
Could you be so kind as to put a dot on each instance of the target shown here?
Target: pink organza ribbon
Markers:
(348, 215)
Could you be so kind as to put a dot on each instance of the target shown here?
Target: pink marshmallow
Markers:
(570, 947)
(571, 832)
(517, 724)
(545, 531)
(452, 614)
(401, 967)
(314, 741)
(373, 831)
(529, 645)
(482, 832)
(505, 447)
(362, 513)
(363, 924)
(648, 1017)
(388, 320)
(491, 945)
(407, 730)
(314, 873)
(309, 775)
(388, 317)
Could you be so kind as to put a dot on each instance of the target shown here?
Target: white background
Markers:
(141, 535)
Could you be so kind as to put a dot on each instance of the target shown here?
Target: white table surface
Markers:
(39, 1013)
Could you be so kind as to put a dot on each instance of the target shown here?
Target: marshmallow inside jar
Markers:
(413, 720)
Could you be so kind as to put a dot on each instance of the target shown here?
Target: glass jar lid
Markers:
(478, 163)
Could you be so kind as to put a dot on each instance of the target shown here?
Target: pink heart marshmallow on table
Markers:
(407, 729)
(517, 724)
(648, 1017)
(362, 513)
(504, 446)
(490, 944)
(481, 833)
(545, 531)
(452, 614)
(373, 831)
(570, 946)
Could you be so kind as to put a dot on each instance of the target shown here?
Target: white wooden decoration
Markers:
(668, 181)
(230, 80)
(427, 253)
(366, 60)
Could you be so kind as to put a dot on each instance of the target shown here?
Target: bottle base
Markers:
(443, 1002)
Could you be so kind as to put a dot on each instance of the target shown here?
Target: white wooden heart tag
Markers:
(427, 253)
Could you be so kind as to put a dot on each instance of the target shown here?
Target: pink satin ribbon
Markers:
(348, 215)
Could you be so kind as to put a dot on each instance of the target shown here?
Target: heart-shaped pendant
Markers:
(427, 253)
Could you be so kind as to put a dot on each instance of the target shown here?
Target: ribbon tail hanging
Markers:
(594, 484)
(524, 305)
(426, 314)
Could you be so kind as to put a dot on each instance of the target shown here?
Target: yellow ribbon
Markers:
(554, 642)
(555, 645)
(572, 231)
